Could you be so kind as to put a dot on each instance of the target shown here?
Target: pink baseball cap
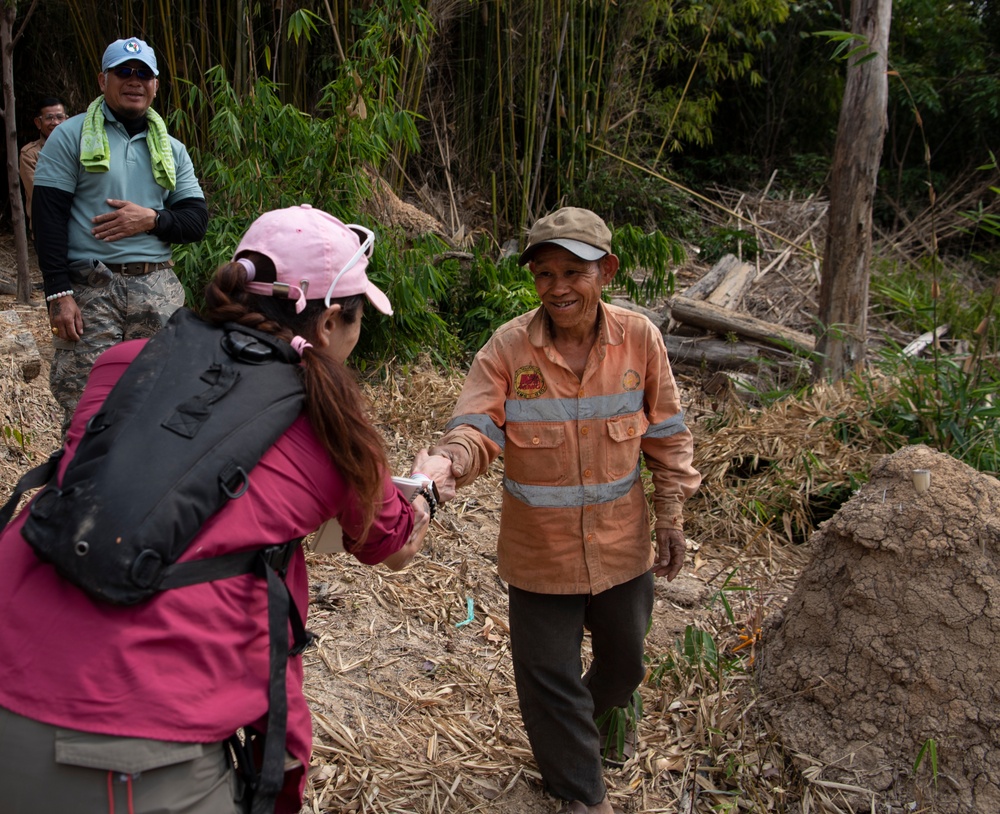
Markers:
(316, 257)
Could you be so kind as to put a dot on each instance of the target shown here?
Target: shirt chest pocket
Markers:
(536, 453)
(624, 436)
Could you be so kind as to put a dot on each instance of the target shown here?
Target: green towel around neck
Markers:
(95, 152)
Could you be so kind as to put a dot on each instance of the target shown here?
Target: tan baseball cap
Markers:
(577, 230)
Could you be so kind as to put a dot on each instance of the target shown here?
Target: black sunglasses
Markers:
(125, 72)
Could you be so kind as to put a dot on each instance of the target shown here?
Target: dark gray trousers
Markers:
(558, 703)
(47, 770)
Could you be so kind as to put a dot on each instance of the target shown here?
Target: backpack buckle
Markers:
(279, 557)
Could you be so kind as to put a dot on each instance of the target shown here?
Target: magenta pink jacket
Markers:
(190, 664)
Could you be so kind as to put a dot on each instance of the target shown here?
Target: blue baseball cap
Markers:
(125, 50)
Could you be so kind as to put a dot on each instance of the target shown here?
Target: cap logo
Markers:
(132, 47)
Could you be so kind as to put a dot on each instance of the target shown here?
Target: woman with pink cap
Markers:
(128, 708)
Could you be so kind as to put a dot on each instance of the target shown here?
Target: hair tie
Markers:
(299, 345)
(249, 266)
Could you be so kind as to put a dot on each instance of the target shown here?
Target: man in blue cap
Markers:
(113, 191)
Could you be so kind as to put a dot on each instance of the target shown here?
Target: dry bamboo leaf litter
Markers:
(391, 671)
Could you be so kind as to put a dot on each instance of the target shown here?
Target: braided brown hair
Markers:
(334, 403)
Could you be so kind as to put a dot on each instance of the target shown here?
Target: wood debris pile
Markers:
(753, 312)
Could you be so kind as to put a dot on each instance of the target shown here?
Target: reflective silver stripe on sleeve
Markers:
(519, 410)
(566, 497)
(481, 422)
(671, 426)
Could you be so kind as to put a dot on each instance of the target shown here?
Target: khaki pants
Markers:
(47, 770)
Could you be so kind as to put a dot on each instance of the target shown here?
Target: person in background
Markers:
(113, 190)
(127, 708)
(50, 113)
(577, 395)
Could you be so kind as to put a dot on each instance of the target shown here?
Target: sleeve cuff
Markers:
(56, 282)
(670, 516)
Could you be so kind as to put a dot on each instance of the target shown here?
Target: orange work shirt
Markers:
(575, 518)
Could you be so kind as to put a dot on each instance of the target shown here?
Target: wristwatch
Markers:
(156, 222)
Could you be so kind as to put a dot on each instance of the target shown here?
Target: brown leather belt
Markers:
(138, 269)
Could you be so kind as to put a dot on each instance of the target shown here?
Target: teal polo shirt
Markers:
(130, 178)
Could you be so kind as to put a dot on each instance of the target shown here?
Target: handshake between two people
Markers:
(439, 467)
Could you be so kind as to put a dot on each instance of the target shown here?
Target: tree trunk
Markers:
(843, 298)
(10, 131)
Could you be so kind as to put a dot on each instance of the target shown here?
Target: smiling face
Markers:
(49, 119)
(128, 98)
(570, 288)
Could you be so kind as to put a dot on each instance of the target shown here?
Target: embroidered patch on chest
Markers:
(631, 380)
(529, 383)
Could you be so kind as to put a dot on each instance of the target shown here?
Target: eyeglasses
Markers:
(365, 248)
(126, 72)
(54, 117)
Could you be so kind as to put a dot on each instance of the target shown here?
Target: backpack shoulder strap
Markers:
(32, 479)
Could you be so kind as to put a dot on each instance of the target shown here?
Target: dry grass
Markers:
(770, 475)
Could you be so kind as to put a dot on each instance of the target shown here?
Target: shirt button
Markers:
(587, 473)
(580, 394)
(631, 430)
(589, 509)
(535, 441)
(590, 538)
(585, 431)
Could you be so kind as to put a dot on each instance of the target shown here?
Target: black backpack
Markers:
(175, 440)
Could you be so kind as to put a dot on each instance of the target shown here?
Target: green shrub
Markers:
(267, 155)
(628, 197)
(904, 293)
(722, 241)
(944, 402)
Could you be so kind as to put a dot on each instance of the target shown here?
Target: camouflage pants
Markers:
(129, 307)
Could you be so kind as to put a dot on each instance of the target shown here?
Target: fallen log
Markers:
(730, 290)
(708, 352)
(713, 277)
(724, 322)
(724, 285)
(653, 316)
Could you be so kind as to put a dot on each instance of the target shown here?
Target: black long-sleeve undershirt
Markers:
(185, 222)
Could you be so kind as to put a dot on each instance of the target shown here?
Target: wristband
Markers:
(52, 297)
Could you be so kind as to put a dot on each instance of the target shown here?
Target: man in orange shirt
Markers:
(576, 395)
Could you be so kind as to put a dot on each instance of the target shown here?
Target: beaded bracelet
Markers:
(52, 297)
(430, 497)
